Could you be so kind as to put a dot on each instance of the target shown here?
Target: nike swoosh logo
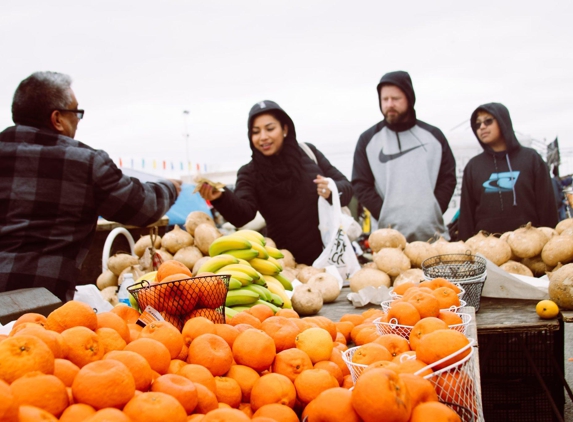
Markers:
(384, 158)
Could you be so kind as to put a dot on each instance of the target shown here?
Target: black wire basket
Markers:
(180, 300)
(465, 414)
(468, 270)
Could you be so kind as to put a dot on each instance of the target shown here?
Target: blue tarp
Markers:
(186, 203)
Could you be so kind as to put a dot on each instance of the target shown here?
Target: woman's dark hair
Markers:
(38, 95)
(277, 114)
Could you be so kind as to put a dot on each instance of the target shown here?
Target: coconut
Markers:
(513, 267)
(106, 279)
(134, 270)
(327, 284)
(176, 239)
(558, 249)
(493, 248)
(205, 234)
(194, 219)
(527, 241)
(392, 261)
(306, 300)
(289, 273)
(548, 232)
(443, 247)
(270, 242)
(288, 259)
(143, 243)
(537, 266)
(109, 294)
(564, 225)
(561, 287)
(418, 251)
(120, 261)
(386, 238)
(188, 256)
(307, 272)
(198, 264)
(413, 275)
(369, 277)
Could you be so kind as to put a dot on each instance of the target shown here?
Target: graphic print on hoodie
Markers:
(404, 173)
(504, 190)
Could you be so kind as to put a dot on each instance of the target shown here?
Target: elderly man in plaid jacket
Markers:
(53, 188)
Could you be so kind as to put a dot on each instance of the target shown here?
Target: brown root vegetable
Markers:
(176, 239)
(306, 300)
(120, 261)
(392, 261)
(307, 272)
(106, 279)
(475, 240)
(561, 287)
(194, 219)
(289, 273)
(134, 270)
(370, 265)
(109, 294)
(491, 247)
(386, 238)
(205, 234)
(327, 284)
(143, 243)
(188, 256)
(564, 225)
(198, 264)
(513, 267)
(270, 242)
(288, 259)
(537, 266)
(369, 277)
(548, 232)
(527, 241)
(418, 251)
(443, 247)
(165, 256)
(558, 249)
(413, 275)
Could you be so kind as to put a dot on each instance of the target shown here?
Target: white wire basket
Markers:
(395, 296)
(392, 327)
(387, 303)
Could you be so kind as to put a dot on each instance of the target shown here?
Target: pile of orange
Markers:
(78, 366)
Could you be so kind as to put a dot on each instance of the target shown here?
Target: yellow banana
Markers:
(278, 289)
(246, 254)
(230, 312)
(247, 269)
(234, 284)
(150, 277)
(264, 266)
(252, 235)
(215, 263)
(263, 292)
(274, 252)
(272, 306)
(244, 262)
(284, 281)
(263, 254)
(277, 263)
(277, 300)
(227, 243)
(241, 297)
(239, 275)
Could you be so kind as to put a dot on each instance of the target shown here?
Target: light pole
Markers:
(185, 118)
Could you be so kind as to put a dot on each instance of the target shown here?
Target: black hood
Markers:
(270, 106)
(403, 81)
(501, 114)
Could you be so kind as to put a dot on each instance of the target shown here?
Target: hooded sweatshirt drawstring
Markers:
(498, 188)
(512, 180)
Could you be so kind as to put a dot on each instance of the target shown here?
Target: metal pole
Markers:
(185, 118)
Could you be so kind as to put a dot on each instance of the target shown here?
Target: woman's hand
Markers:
(208, 193)
(322, 186)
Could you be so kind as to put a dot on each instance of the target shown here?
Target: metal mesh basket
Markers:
(395, 296)
(404, 331)
(466, 270)
(177, 301)
(355, 368)
(388, 303)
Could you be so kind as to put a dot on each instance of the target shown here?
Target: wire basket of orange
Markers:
(460, 323)
(180, 296)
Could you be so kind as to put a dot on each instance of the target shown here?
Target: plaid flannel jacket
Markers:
(52, 190)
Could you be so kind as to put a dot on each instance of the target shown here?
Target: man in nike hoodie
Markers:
(404, 171)
(507, 185)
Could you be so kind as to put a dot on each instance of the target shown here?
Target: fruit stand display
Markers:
(220, 330)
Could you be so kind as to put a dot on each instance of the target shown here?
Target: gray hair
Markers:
(38, 95)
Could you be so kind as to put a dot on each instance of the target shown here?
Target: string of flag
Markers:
(165, 165)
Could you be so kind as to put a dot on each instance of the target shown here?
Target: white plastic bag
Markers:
(338, 250)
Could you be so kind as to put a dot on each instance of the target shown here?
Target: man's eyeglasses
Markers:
(79, 113)
(487, 122)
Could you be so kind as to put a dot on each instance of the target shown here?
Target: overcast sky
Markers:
(137, 65)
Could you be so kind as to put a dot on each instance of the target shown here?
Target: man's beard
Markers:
(395, 117)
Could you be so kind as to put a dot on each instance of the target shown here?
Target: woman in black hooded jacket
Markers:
(507, 185)
(282, 182)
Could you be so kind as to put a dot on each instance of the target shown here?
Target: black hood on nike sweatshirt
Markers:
(403, 81)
